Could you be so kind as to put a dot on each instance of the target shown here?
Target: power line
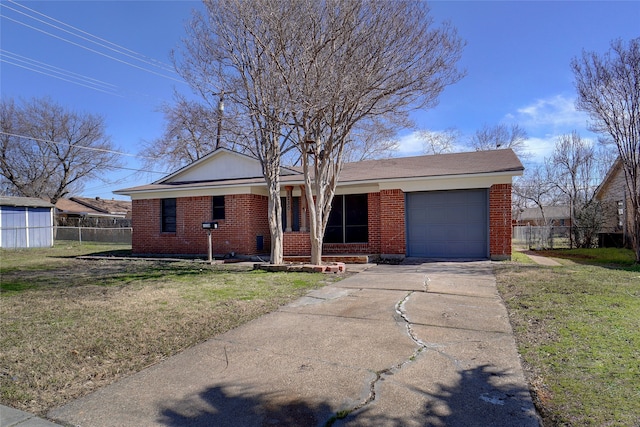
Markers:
(29, 66)
(83, 147)
(54, 69)
(117, 48)
(91, 50)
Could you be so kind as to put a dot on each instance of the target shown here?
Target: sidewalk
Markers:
(410, 345)
(542, 260)
(10, 417)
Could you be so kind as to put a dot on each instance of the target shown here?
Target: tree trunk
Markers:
(316, 232)
(275, 224)
(271, 170)
(315, 219)
(635, 232)
(316, 247)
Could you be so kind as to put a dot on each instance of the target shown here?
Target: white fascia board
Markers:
(165, 193)
(346, 189)
(435, 183)
(449, 183)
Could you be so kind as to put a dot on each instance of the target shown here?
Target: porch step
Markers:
(346, 258)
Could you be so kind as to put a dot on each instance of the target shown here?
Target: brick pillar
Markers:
(303, 210)
(392, 223)
(289, 203)
(500, 227)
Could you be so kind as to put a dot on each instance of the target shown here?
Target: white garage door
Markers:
(448, 224)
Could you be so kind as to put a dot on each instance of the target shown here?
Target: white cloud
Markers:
(409, 145)
(545, 120)
(541, 148)
(554, 115)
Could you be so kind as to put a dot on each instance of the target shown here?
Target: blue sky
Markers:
(517, 60)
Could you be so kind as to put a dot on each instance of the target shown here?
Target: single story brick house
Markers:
(436, 206)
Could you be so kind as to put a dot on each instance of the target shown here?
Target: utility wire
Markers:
(83, 147)
(26, 67)
(92, 50)
(117, 48)
(53, 69)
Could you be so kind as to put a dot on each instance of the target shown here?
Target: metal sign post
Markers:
(210, 226)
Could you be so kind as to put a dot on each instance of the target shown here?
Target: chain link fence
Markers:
(94, 234)
(542, 237)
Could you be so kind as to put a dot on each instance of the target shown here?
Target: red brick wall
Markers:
(392, 222)
(500, 221)
(296, 243)
(245, 218)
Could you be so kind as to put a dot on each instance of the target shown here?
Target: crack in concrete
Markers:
(380, 375)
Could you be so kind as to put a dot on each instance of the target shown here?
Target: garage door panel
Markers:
(457, 216)
(448, 224)
(475, 234)
(439, 233)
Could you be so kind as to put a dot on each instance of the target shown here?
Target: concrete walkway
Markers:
(10, 417)
(542, 260)
(410, 345)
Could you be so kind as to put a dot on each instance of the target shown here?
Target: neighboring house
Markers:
(437, 206)
(25, 222)
(613, 193)
(556, 216)
(93, 212)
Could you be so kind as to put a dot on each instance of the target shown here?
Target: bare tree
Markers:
(354, 61)
(312, 73)
(48, 152)
(500, 137)
(535, 187)
(608, 89)
(439, 142)
(575, 175)
(372, 139)
(236, 48)
(189, 134)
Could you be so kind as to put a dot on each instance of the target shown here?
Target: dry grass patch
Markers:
(70, 326)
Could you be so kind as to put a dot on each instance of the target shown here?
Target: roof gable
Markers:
(221, 164)
(614, 173)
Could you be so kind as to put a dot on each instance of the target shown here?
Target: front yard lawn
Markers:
(69, 326)
(578, 331)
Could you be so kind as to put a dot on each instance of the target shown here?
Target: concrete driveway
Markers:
(427, 344)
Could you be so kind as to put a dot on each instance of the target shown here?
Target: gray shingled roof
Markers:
(550, 212)
(477, 162)
(454, 164)
(30, 202)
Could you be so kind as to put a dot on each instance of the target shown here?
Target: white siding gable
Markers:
(220, 165)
